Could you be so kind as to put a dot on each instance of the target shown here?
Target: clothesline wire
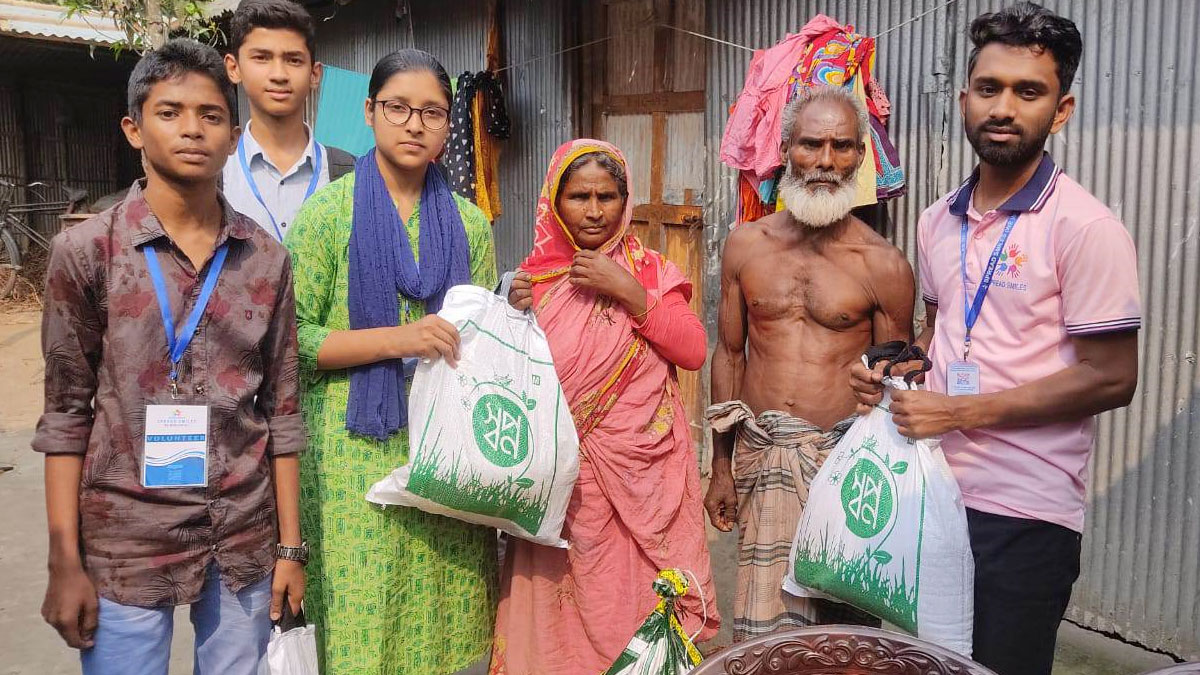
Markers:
(561, 51)
(915, 18)
(616, 35)
(710, 38)
(707, 37)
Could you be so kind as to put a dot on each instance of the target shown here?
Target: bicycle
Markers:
(13, 224)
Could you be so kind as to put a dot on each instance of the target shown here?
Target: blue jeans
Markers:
(232, 631)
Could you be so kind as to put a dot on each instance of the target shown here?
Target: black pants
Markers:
(1024, 570)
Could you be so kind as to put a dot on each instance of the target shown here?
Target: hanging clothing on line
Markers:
(491, 125)
(751, 205)
(493, 110)
(489, 107)
(824, 52)
(878, 98)
(478, 119)
(868, 171)
(889, 176)
(751, 140)
(459, 158)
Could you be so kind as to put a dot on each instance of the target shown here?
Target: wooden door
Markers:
(643, 91)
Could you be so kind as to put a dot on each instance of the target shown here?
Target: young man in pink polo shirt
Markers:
(1032, 312)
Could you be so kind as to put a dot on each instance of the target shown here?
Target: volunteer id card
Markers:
(176, 446)
(962, 378)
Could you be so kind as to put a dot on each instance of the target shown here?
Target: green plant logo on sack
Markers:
(859, 567)
(455, 477)
(867, 499)
(491, 441)
(501, 430)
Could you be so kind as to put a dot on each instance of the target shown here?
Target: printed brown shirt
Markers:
(106, 359)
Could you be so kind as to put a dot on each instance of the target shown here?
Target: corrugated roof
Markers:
(50, 22)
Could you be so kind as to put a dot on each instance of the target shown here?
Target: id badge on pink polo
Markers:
(962, 378)
(175, 452)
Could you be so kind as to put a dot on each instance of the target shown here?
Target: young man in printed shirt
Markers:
(172, 423)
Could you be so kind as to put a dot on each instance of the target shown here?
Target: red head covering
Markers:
(553, 246)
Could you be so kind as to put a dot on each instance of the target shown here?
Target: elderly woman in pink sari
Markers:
(617, 318)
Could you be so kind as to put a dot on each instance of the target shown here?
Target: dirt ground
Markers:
(29, 647)
(20, 370)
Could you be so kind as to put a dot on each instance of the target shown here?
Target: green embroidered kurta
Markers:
(393, 591)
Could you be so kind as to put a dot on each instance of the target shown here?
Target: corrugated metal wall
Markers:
(540, 102)
(12, 146)
(539, 94)
(356, 35)
(63, 135)
(1135, 143)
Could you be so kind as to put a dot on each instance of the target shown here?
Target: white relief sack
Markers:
(885, 530)
(492, 441)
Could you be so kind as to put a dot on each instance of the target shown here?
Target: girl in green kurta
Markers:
(392, 591)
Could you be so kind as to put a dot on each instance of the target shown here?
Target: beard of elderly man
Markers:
(818, 198)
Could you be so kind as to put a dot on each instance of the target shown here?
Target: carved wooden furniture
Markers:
(838, 650)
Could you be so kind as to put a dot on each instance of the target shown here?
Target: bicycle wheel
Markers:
(10, 264)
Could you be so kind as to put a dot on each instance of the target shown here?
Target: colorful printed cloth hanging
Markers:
(823, 53)
(843, 58)
(832, 59)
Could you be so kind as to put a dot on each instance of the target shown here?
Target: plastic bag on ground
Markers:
(492, 441)
(885, 530)
(660, 646)
(292, 652)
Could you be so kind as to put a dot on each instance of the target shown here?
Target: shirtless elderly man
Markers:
(810, 288)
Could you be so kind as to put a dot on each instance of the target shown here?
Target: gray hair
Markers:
(807, 95)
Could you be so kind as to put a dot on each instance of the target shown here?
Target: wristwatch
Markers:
(295, 553)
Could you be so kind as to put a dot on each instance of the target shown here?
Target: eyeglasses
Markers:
(399, 113)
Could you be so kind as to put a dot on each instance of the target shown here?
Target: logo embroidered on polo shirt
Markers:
(1008, 270)
(1011, 261)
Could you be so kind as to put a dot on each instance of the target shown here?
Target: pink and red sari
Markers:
(637, 506)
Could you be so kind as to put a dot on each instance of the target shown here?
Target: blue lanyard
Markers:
(312, 184)
(178, 344)
(971, 308)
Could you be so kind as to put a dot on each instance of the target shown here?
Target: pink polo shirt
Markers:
(1068, 269)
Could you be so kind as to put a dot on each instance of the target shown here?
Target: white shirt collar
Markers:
(255, 151)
